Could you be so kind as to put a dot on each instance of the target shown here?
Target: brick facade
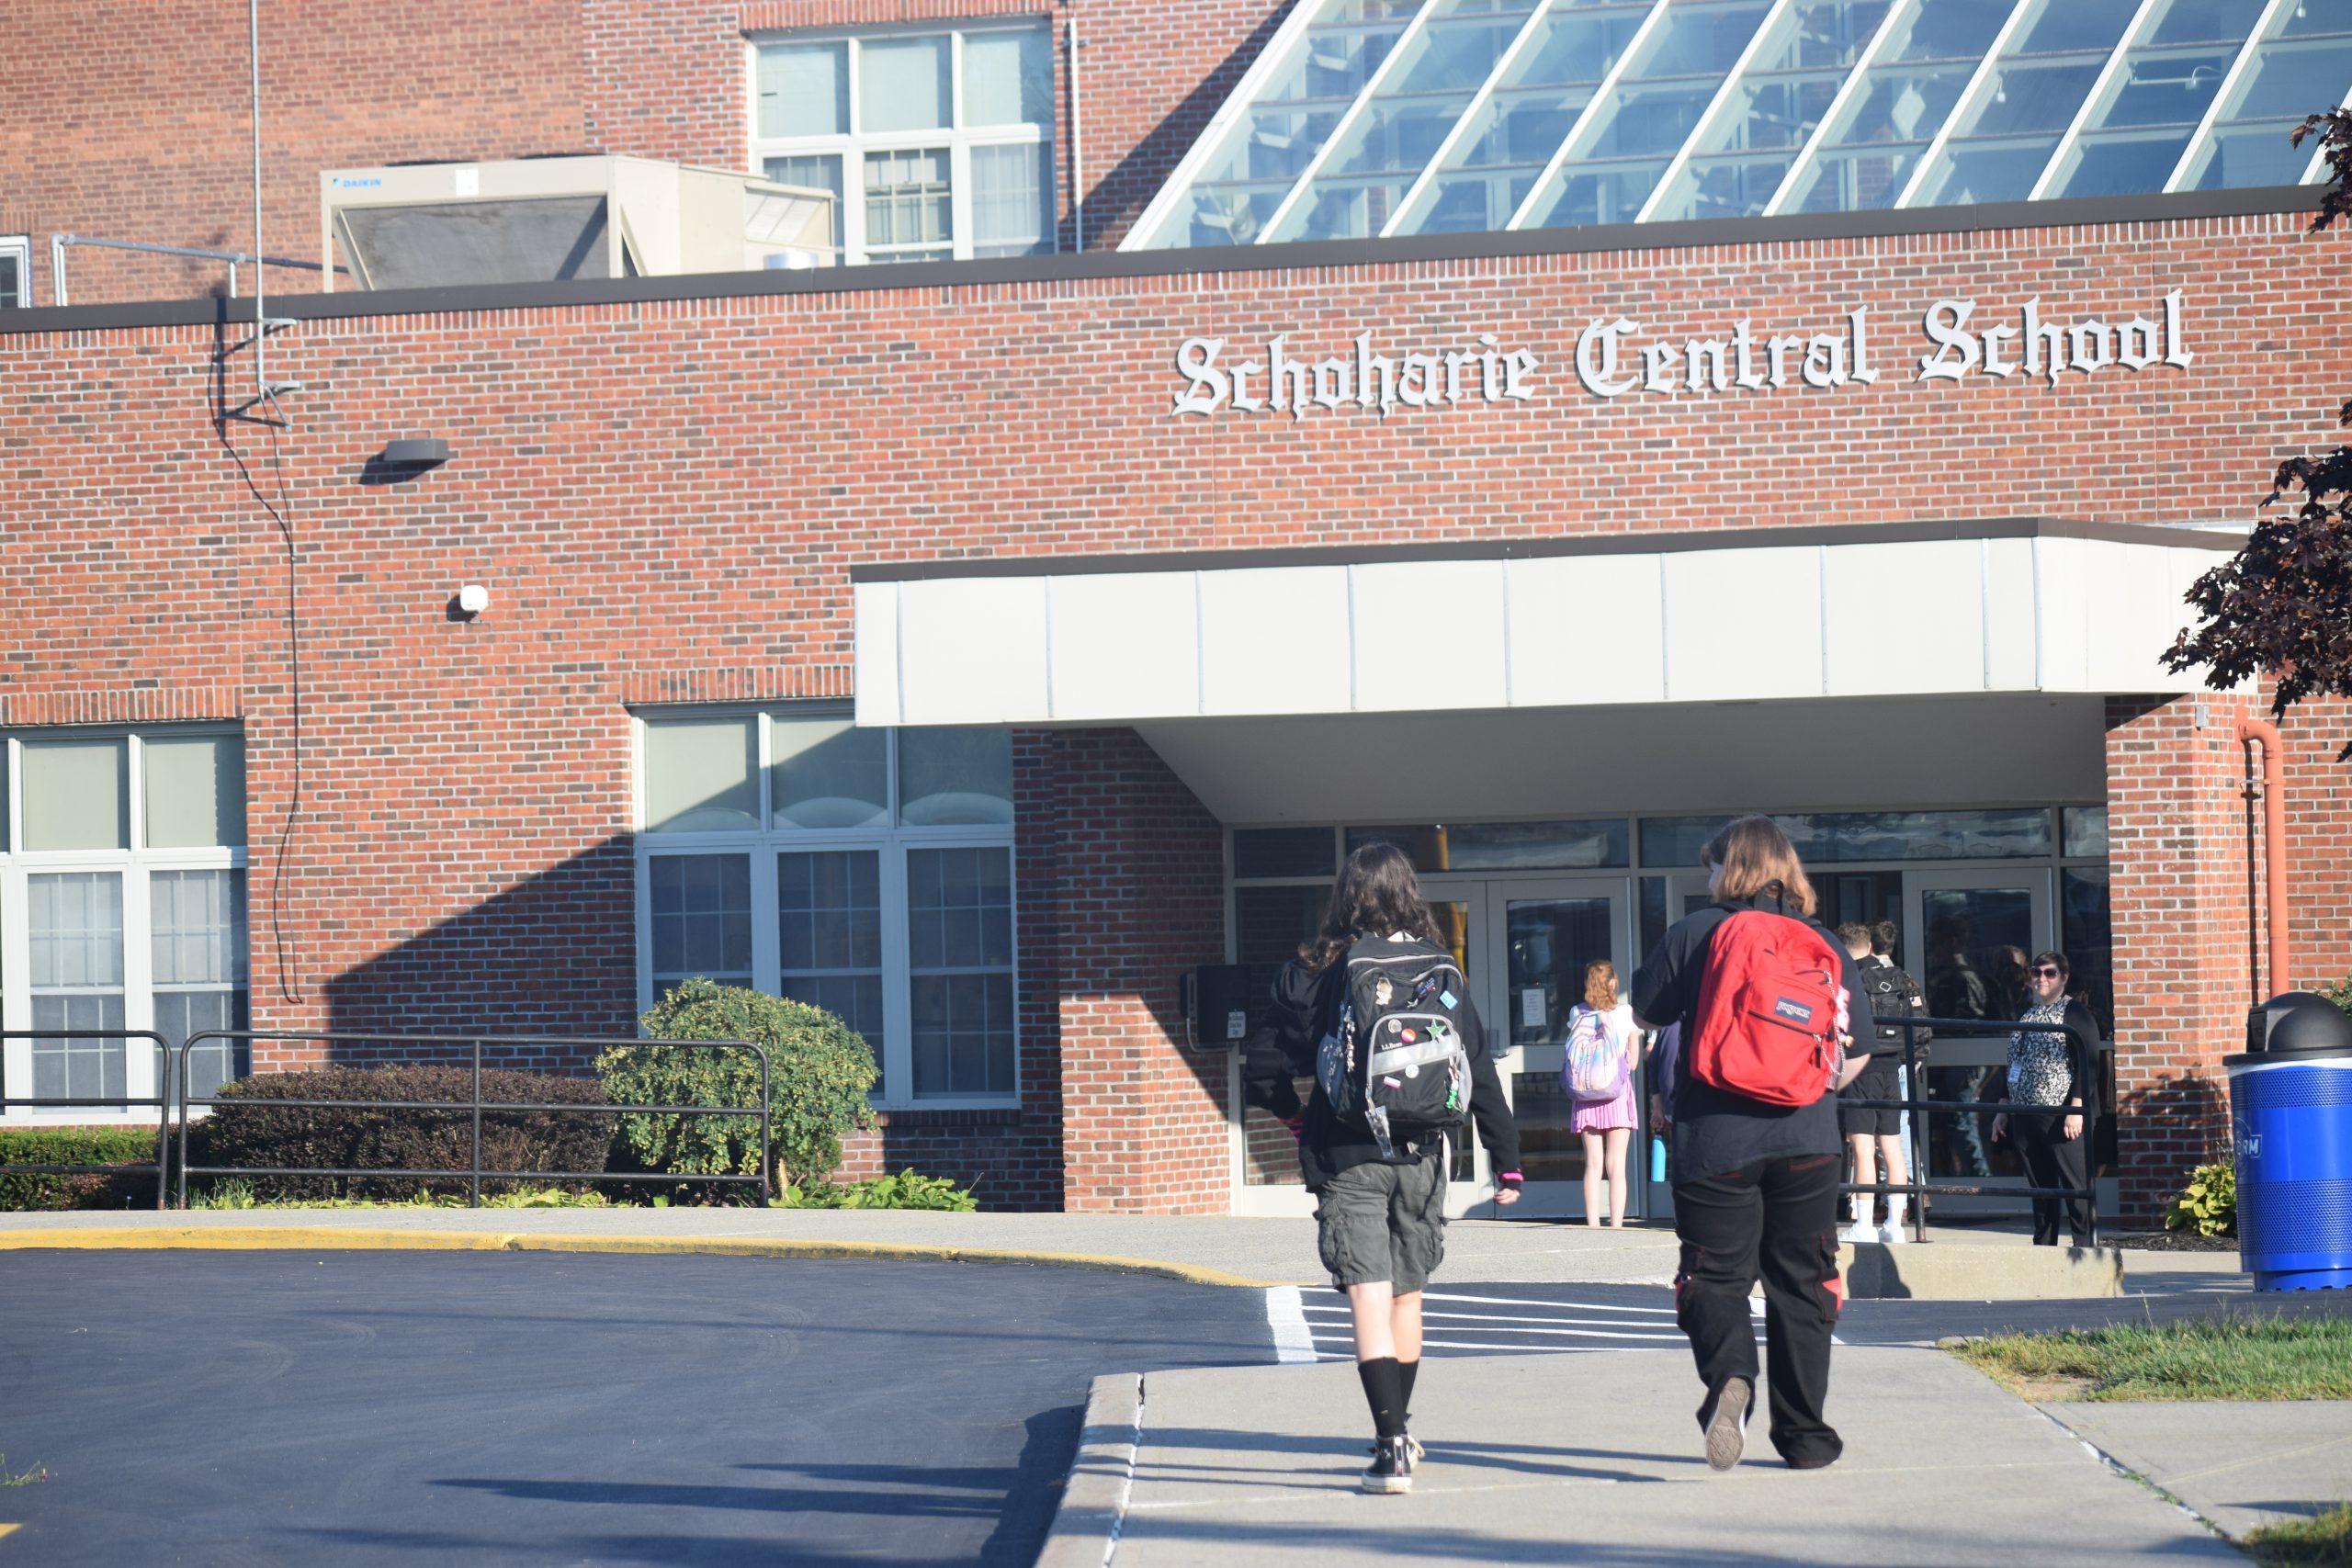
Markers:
(665, 497)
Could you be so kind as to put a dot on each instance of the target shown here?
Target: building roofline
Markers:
(1090, 265)
(1660, 543)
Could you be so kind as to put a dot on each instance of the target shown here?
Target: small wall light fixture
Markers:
(415, 455)
(472, 599)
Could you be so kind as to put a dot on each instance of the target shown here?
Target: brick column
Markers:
(1123, 891)
(2176, 860)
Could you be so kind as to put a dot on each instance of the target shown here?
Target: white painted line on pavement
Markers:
(1562, 1306)
(1287, 1317)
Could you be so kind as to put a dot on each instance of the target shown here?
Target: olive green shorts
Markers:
(1383, 1221)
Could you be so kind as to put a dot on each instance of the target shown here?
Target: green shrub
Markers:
(2340, 993)
(236, 1193)
(2208, 1204)
(131, 1147)
(820, 1070)
(904, 1190)
(247, 1131)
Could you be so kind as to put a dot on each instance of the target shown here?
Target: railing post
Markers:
(1915, 1089)
(476, 1170)
(767, 1154)
(162, 1123)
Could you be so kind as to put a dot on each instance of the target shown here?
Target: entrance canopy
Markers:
(2015, 607)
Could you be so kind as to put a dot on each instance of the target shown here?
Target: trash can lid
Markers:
(2299, 1023)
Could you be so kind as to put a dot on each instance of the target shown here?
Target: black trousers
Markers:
(2054, 1161)
(1779, 1216)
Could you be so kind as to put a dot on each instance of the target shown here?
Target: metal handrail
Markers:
(474, 1105)
(1918, 1188)
(57, 243)
(161, 1099)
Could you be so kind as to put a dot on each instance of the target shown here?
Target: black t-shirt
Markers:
(1715, 1130)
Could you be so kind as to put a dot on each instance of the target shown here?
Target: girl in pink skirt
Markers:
(1607, 1124)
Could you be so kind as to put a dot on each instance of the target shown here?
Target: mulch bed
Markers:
(2173, 1241)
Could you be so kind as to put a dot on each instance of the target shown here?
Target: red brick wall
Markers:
(2319, 841)
(132, 121)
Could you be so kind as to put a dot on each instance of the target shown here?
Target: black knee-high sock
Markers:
(1384, 1391)
(1406, 1372)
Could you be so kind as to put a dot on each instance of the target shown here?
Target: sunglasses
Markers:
(2049, 972)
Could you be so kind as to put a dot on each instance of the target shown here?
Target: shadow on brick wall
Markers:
(2165, 1130)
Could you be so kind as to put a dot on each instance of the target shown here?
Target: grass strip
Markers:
(2324, 1541)
(2235, 1355)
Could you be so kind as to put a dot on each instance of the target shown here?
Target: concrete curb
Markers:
(1085, 1530)
(1874, 1271)
(339, 1238)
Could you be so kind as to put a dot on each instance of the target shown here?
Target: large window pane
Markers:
(909, 213)
(1999, 149)
(950, 777)
(1012, 204)
(902, 83)
(702, 917)
(74, 926)
(699, 775)
(828, 908)
(197, 943)
(195, 790)
(827, 773)
(959, 931)
(2087, 935)
(817, 171)
(1284, 851)
(1008, 78)
(75, 795)
(804, 89)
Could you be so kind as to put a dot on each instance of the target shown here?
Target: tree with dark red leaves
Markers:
(2282, 606)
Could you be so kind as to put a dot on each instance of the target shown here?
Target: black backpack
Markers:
(1893, 993)
(1394, 1061)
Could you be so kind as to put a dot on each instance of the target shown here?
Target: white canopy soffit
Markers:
(2008, 606)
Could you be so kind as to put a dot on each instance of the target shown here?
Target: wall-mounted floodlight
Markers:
(428, 452)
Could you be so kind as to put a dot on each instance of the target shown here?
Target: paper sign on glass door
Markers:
(1531, 1007)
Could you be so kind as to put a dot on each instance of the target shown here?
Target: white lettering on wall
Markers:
(1612, 361)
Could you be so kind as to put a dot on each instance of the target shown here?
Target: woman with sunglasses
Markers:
(2052, 1086)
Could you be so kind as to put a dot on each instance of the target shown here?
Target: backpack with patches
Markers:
(1594, 1071)
(1773, 1006)
(1394, 1061)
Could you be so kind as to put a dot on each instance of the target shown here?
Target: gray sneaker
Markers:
(1723, 1419)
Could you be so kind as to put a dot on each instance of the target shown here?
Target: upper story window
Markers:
(1364, 118)
(122, 906)
(936, 145)
(868, 872)
(16, 271)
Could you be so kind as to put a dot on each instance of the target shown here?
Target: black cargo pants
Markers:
(1779, 1216)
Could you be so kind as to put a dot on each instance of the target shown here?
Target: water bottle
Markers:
(1657, 1159)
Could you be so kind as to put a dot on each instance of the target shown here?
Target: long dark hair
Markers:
(1376, 894)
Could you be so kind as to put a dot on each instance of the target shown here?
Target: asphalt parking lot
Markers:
(359, 1408)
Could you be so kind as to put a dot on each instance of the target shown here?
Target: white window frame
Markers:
(22, 247)
(17, 864)
(958, 139)
(895, 1049)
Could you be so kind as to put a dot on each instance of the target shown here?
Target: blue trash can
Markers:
(2291, 1121)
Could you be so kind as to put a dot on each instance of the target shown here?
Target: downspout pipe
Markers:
(2274, 846)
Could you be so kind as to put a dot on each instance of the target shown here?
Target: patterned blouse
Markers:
(2041, 1067)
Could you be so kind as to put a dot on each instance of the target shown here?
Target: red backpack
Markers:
(1772, 1010)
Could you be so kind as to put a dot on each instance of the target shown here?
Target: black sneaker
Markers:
(1723, 1419)
(1391, 1469)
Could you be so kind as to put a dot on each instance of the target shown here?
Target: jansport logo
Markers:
(1793, 1010)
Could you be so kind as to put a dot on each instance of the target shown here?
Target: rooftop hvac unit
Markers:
(536, 219)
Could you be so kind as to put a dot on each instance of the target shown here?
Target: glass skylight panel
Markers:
(1421, 95)
(2151, 104)
(1507, 141)
(1624, 143)
(2300, 65)
(1277, 135)
(1744, 151)
(1419, 117)
(2005, 135)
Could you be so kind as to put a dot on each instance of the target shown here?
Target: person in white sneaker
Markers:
(1872, 1135)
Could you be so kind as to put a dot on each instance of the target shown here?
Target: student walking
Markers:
(1875, 1135)
(2051, 1085)
(1604, 1050)
(1376, 1008)
(1756, 1147)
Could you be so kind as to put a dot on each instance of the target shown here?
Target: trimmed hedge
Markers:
(820, 1071)
(250, 1132)
(78, 1145)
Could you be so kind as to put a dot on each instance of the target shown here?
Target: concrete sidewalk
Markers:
(1596, 1460)
(2243, 1464)
(1217, 1250)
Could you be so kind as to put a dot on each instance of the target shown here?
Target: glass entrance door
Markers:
(1536, 939)
(1968, 939)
